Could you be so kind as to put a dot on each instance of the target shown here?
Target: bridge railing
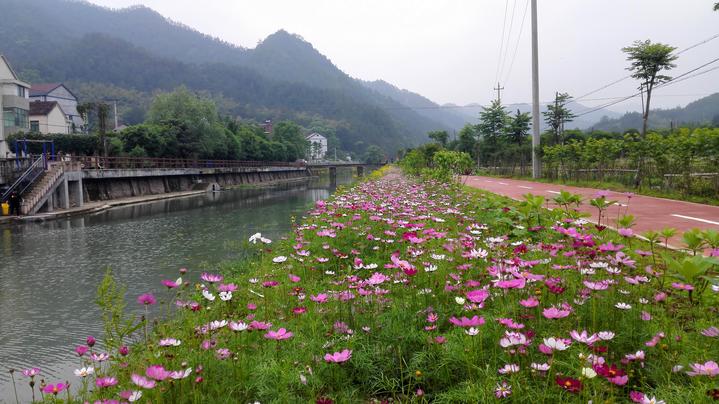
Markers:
(115, 163)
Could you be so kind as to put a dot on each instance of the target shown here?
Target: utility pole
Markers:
(536, 163)
(499, 89)
(114, 113)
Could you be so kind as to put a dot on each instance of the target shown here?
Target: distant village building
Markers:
(49, 117)
(14, 104)
(63, 96)
(267, 126)
(318, 145)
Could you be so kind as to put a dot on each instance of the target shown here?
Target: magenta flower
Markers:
(278, 335)
(709, 368)
(90, 341)
(104, 382)
(682, 286)
(81, 350)
(477, 296)
(54, 389)
(146, 299)
(157, 372)
(711, 332)
(222, 354)
(339, 357)
(259, 325)
(319, 298)
(170, 284)
(503, 390)
(229, 287)
(625, 232)
(124, 350)
(531, 302)
(467, 322)
(555, 313)
(141, 381)
(584, 337)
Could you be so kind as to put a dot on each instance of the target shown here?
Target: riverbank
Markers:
(422, 292)
(100, 206)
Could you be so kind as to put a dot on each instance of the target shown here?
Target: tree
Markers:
(557, 114)
(716, 6)
(374, 155)
(467, 139)
(518, 130)
(648, 60)
(493, 121)
(439, 136)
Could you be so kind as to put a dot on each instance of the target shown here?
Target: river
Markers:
(49, 271)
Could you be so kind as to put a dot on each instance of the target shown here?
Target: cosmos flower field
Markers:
(399, 290)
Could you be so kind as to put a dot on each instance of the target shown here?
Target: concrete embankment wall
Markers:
(115, 184)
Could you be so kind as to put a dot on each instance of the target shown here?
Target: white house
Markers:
(48, 117)
(318, 145)
(63, 96)
(14, 104)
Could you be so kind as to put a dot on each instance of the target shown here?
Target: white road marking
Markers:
(489, 181)
(503, 183)
(522, 186)
(697, 219)
(554, 192)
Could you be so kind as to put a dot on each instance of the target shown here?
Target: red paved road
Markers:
(651, 213)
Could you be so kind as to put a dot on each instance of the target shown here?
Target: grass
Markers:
(386, 269)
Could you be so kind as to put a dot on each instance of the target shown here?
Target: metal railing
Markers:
(115, 163)
(26, 179)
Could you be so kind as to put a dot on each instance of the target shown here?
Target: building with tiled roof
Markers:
(62, 95)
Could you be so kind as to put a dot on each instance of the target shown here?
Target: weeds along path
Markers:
(402, 291)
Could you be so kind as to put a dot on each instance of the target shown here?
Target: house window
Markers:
(21, 91)
(15, 117)
(35, 126)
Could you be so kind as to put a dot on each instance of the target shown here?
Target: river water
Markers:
(49, 271)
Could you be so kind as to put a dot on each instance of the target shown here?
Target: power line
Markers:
(674, 80)
(702, 42)
(509, 39)
(501, 43)
(519, 39)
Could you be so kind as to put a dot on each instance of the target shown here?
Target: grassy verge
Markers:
(419, 292)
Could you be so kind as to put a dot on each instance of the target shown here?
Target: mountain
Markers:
(136, 52)
(704, 111)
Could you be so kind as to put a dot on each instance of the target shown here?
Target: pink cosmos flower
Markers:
(682, 286)
(157, 372)
(90, 341)
(339, 357)
(146, 299)
(709, 368)
(512, 339)
(54, 389)
(81, 350)
(211, 278)
(509, 369)
(319, 298)
(530, 302)
(711, 332)
(222, 354)
(503, 390)
(32, 372)
(555, 313)
(107, 381)
(584, 337)
(477, 296)
(625, 232)
(517, 283)
(141, 381)
(260, 325)
(278, 335)
(229, 287)
(645, 316)
(467, 322)
(170, 284)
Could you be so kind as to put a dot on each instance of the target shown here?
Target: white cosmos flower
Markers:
(329, 272)
(370, 266)
(134, 396)
(279, 259)
(84, 372)
(239, 326)
(437, 256)
(542, 367)
(214, 325)
(589, 373)
(459, 300)
(253, 280)
(207, 295)
(169, 342)
(472, 331)
(509, 368)
(225, 296)
(430, 268)
(605, 335)
(556, 344)
(715, 288)
(623, 306)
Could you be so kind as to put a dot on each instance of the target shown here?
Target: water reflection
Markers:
(49, 271)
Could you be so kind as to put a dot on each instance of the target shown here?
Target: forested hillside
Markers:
(132, 53)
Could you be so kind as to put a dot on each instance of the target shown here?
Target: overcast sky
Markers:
(449, 50)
